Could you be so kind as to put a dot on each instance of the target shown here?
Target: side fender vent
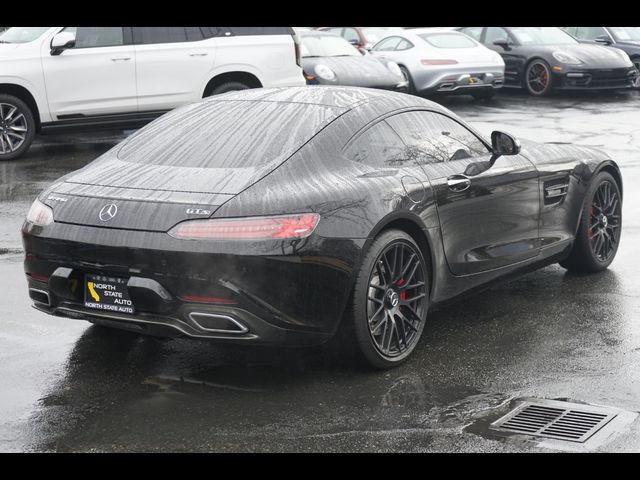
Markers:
(556, 190)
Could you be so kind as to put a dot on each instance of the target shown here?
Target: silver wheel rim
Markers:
(13, 128)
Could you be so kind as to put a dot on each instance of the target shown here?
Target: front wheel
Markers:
(227, 87)
(17, 127)
(600, 226)
(407, 76)
(390, 299)
(537, 78)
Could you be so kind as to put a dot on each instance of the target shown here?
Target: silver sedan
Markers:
(443, 61)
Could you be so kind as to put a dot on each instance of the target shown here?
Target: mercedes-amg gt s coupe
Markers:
(270, 216)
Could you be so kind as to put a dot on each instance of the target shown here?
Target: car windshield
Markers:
(373, 34)
(327, 46)
(542, 36)
(625, 34)
(448, 40)
(22, 34)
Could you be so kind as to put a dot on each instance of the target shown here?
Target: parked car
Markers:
(541, 59)
(443, 61)
(269, 216)
(626, 39)
(55, 79)
(328, 59)
(361, 37)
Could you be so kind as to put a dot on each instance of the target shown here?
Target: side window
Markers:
(387, 44)
(92, 37)
(435, 138)
(571, 31)
(194, 34)
(351, 35)
(495, 33)
(404, 45)
(473, 32)
(591, 33)
(150, 35)
(335, 30)
(379, 146)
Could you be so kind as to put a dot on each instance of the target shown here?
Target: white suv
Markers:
(55, 79)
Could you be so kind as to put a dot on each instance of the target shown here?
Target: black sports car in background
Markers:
(544, 58)
(626, 39)
(268, 216)
(328, 59)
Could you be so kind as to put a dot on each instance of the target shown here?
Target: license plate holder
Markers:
(102, 292)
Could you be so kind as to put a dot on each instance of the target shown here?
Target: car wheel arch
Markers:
(235, 76)
(414, 227)
(25, 95)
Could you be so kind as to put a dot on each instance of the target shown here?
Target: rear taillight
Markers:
(438, 62)
(40, 214)
(296, 43)
(249, 228)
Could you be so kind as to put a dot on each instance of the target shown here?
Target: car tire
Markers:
(390, 299)
(484, 95)
(405, 73)
(227, 87)
(537, 78)
(592, 250)
(17, 127)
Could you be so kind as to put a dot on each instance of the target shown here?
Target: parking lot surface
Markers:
(68, 386)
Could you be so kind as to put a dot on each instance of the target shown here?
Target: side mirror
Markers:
(355, 43)
(62, 41)
(504, 144)
(502, 43)
(363, 51)
(604, 39)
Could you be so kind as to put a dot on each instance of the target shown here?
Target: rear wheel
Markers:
(227, 87)
(17, 127)
(600, 226)
(407, 77)
(390, 299)
(537, 78)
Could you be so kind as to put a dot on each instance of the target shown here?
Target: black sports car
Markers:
(544, 58)
(328, 59)
(267, 216)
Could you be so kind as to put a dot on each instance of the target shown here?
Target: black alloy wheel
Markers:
(600, 227)
(538, 78)
(391, 299)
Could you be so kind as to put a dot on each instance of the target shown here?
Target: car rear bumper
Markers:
(460, 79)
(597, 79)
(271, 295)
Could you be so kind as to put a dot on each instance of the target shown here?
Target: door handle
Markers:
(458, 183)
(198, 54)
(120, 59)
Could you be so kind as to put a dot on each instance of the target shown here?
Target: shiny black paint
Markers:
(606, 73)
(296, 291)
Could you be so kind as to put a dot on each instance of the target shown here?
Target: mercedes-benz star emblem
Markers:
(108, 212)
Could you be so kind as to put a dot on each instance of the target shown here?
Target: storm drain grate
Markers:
(554, 419)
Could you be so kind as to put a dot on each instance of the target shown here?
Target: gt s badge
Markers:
(198, 211)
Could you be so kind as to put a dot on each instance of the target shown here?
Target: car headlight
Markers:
(566, 58)
(394, 68)
(324, 72)
(40, 214)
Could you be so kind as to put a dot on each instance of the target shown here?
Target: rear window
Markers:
(227, 134)
(448, 40)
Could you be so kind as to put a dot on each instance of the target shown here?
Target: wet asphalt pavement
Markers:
(68, 386)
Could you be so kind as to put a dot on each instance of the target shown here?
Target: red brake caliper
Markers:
(403, 293)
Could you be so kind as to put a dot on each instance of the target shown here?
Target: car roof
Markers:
(340, 97)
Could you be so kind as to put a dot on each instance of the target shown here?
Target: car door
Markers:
(95, 77)
(173, 64)
(513, 62)
(488, 216)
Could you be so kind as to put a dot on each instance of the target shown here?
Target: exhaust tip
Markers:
(40, 296)
(217, 323)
